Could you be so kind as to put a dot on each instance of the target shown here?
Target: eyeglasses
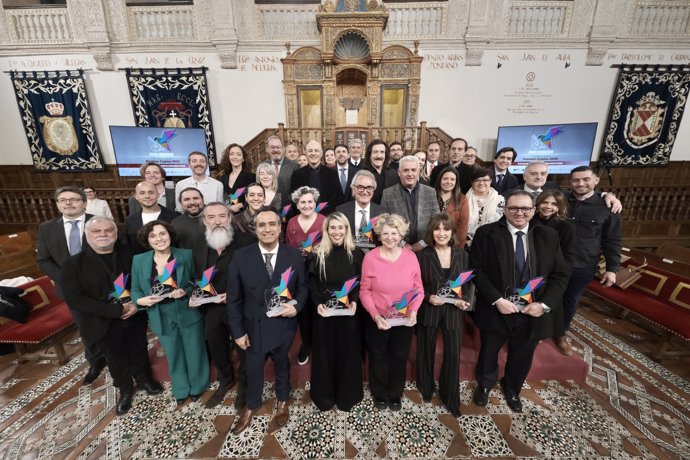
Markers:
(69, 200)
(362, 188)
(275, 147)
(515, 210)
(482, 180)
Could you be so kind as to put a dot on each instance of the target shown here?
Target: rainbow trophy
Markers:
(310, 242)
(204, 292)
(321, 206)
(235, 197)
(164, 285)
(121, 293)
(338, 303)
(284, 212)
(364, 239)
(277, 296)
(452, 290)
(398, 312)
(522, 297)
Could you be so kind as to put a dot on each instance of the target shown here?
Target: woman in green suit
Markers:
(161, 281)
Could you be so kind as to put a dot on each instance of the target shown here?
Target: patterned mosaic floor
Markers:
(629, 407)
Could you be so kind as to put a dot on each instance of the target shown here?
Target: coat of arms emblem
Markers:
(643, 124)
(58, 132)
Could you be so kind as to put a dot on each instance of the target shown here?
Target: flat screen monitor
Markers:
(561, 146)
(169, 147)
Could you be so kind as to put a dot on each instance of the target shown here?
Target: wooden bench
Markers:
(661, 297)
(49, 321)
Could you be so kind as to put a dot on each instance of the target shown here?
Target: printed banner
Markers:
(54, 108)
(172, 98)
(645, 115)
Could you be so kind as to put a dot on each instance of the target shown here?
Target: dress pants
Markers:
(579, 279)
(92, 351)
(388, 353)
(449, 379)
(305, 320)
(255, 373)
(126, 351)
(520, 352)
(220, 344)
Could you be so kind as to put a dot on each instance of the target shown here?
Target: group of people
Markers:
(361, 257)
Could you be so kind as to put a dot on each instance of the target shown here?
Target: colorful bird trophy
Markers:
(277, 296)
(398, 312)
(284, 212)
(321, 206)
(365, 237)
(204, 292)
(310, 242)
(120, 294)
(165, 284)
(547, 138)
(235, 197)
(452, 290)
(524, 296)
(339, 304)
(164, 139)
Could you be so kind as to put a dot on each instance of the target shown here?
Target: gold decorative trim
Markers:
(674, 295)
(41, 293)
(657, 290)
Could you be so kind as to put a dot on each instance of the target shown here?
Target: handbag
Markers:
(12, 306)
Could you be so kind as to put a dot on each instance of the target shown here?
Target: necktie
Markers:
(74, 238)
(519, 256)
(499, 181)
(363, 220)
(269, 266)
(535, 194)
(276, 166)
(429, 168)
(343, 179)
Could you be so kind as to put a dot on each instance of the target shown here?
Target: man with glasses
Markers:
(283, 166)
(397, 152)
(506, 256)
(361, 210)
(58, 239)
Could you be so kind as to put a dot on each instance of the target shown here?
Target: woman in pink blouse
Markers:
(391, 291)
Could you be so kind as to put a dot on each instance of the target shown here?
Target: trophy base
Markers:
(338, 312)
(450, 300)
(395, 322)
(277, 311)
(199, 301)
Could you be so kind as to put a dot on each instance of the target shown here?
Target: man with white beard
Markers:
(212, 256)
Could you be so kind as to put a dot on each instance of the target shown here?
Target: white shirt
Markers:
(211, 189)
(513, 232)
(273, 252)
(358, 214)
(98, 207)
(530, 191)
(147, 217)
(355, 162)
(66, 223)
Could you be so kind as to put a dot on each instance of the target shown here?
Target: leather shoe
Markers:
(124, 403)
(195, 398)
(380, 404)
(241, 398)
(94, 371)
(563, 345)
(217, 397)
(481, 396)
(152, 387)
(244, 421)
(395, 404)
(282, 413)
(454, 411)
(512, 399)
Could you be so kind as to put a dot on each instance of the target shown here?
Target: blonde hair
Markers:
(268, 169)
(396, 221)
(326, 246)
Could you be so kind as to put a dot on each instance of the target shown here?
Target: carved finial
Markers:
(287, 48)
(373, 5)
(329, 6)
(416, 47)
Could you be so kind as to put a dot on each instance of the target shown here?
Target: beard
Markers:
(219, 238)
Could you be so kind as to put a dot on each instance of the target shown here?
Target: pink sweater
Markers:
(384, 282)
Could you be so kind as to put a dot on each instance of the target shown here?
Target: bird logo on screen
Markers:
(551, 133)
(164, 139)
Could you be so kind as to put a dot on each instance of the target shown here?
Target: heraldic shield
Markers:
(643, 124)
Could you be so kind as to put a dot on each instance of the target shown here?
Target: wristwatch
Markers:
(546, 308)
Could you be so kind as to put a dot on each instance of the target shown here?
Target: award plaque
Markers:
(452, 289)
(164, 284)
(398, 311)
(338, 303)
(277, 296)
(204, 292)
(121, 293)
(365, 237)
(522, 297)
(309, 244)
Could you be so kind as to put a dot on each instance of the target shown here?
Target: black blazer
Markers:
(244, 178)
(349, 210)
(493, 259)
(464, 171)
(547, 186)
(87, 284)
(329, 190)
(509, 181)
(433, 279)
(387, 178)
(170, 200)
(52, 249)
(247, 284)
(351, 171)
(287, 168)
(133, 224)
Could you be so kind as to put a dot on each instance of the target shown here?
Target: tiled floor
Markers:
(629, 407)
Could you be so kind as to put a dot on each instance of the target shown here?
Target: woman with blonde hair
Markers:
(267, 177)
(335, 266)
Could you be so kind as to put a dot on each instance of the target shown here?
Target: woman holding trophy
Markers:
(334, 269)
(161, 281)
(391, 292)
(446, 297)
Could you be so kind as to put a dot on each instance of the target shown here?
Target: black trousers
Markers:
(126, 351)
(520, 352)
(220, 345)
(388, 353)
(449, 379)
(305, 320)
(255, 373)
(579, 279)
(92, 350)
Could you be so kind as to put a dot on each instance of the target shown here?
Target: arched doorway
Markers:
(351, 97)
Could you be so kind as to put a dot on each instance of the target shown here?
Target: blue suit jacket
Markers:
(248, 283)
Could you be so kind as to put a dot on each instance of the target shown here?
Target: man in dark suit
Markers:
(345, 170)
(501, 178)
(414, 201)
(456, 152)
(58, 239)
(361, 210)
(96, 284)
(356, 149)
(535, 176)
(397, 152)
(254, 273)
(147, 196)
(506, 255)
(322, 178)
(284, 166)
